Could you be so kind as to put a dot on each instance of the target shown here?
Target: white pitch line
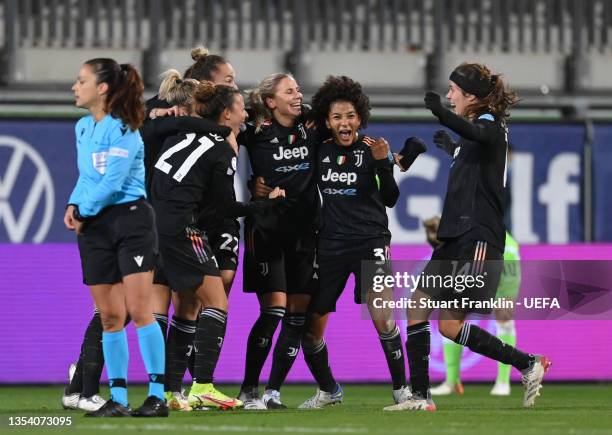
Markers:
(228, 428)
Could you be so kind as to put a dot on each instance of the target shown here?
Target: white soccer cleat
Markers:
(322, 399)
(402, 394)
(532, 379)
(500, 389)
(272, 400)
(91, 404)
(445, 389)
(177, 401)
(251, 399)
(414, 403)
(70, 401)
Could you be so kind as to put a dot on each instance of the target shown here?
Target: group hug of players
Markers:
(320, 189)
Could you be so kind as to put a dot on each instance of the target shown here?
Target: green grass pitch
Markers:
(562, 409)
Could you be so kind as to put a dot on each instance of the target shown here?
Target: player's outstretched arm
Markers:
(478, 132)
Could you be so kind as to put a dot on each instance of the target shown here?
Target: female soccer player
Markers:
(193, 170)
(207, 67)
(355, 178)
(115, 226)
(508, 289)
(472, 230)
(280, 247)
(216, 69)
(178, 92)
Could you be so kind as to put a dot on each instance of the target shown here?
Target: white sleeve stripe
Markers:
(119, 152)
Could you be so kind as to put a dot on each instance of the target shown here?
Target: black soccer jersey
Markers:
(285, 157)
(355, 190)
(155, 131)
(474, 202)
(194, 170)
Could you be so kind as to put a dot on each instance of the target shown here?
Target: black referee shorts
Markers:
(185, 260)
(335, 269)
(275, 261)
(463, 268)
(119, 241)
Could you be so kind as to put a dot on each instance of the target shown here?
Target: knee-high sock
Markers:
(192, 354)
(317, 360)
(92, 356)
(208, 341)
(506, 332)
(480, 341)
(259, 344)
(86, 378)
(452, 360)
(179, 347)
(153, 352)
(286, 349)
(392, 347)
(76, 383)
(417, 350)
(116, 356)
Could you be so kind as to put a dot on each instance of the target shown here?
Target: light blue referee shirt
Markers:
(110, 158)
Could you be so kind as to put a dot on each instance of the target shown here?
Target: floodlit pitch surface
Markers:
(562, 409)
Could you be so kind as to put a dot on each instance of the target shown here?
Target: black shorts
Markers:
(185, 260)
(463, 268)
(119, 241)
(335, 269)
(276, 261)
(224, 242)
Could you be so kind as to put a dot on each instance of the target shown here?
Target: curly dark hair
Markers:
(339, 88)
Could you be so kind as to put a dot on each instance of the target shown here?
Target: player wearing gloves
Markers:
(472, 230)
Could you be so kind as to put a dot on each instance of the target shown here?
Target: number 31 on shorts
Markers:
(382, 254)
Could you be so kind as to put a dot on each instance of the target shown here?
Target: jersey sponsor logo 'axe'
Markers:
(291, 168)
(291, 153)
(347, 178)
(331, 191)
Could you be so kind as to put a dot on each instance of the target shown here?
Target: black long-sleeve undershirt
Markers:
(482, 132)
(389, 191)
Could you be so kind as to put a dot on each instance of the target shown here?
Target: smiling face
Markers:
(287, 100)
(459, 100)
(87, 93)
(235, 116)
(344, 122)
(224, 75)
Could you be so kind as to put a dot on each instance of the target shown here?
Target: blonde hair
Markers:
(199, 52)
(257, 97)
(175, 90)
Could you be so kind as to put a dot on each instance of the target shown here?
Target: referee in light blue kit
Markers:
(116, 227)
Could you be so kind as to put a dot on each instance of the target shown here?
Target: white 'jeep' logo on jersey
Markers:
(291, 153)
(347, 178)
